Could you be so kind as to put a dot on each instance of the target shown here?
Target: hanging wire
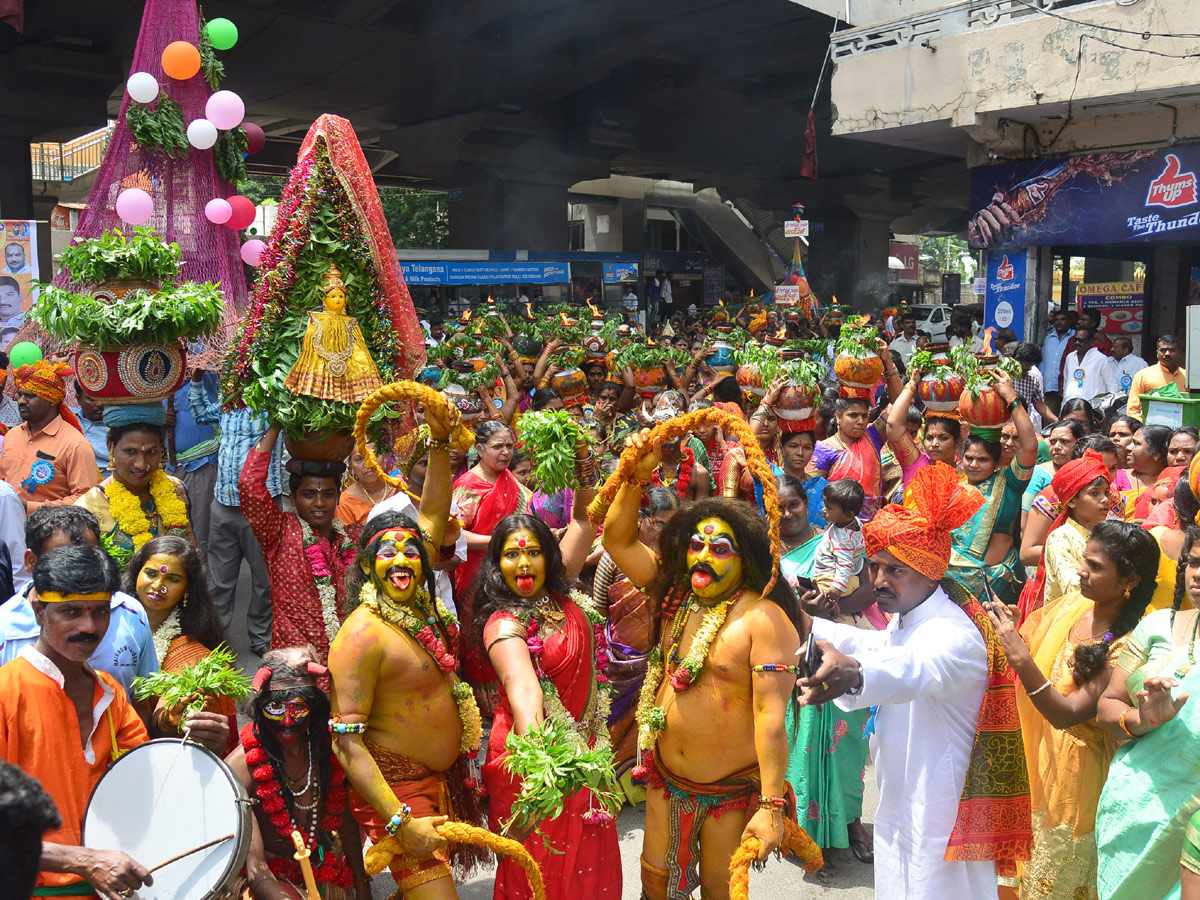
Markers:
(1144, 35)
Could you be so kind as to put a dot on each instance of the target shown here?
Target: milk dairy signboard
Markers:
(1133, 196)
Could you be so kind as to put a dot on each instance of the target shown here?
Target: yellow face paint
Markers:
(523, 564)
(398, 565)
(714, 560)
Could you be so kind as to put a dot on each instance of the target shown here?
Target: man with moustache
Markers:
(64, 723)
(399, 710)
(953, 790)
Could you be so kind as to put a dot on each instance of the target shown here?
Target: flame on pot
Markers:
(986, 349)
(595, 312)
(466, 316)
(564, 318)
(528, 309)
(782, 333)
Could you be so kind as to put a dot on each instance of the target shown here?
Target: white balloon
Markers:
(142, 87)
(201, 134)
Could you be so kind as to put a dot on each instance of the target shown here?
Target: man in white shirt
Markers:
(630, 300)
(905, 343)
(1087, 373)
(1127, 362)
(928, 673)
(12, 535)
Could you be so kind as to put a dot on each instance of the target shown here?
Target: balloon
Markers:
(222, 33)
(201, 133)
(243, 212)
(225, 109)
(142, 87)
(256, 138)
(134, 206)
(218, 211)
(24, 353)
(252, 252)
(181, 60)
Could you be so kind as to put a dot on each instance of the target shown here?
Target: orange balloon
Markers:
(181, 60)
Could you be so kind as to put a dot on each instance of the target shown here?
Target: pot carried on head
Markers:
(858, 374)
(941, 395)
(133, 373)
(468, 403)
(648, 381)
(721, 359)
(572, 384)
(750, 381)
(987, 410)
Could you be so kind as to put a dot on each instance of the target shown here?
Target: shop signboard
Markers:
(787, 295)
(910, 256)
(485, 273)
(617, 272)
(1120, 304)
(1004, 302)
(951, 288)
(1134, 196)
(795, 228)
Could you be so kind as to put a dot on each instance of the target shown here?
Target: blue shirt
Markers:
(240, 431)
(814, 487)
(125, 652)
(192, 439)
(1052, 354)
(97, 435)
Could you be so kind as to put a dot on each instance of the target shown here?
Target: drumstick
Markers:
(190, 852)
(301, 856)
(162, 787)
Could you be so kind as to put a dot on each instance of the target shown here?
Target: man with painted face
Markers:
(64, 723)
(954, 807)
(400, 711)
(712, 733)
(285, 760)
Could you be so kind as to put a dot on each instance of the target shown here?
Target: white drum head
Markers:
(141, 810)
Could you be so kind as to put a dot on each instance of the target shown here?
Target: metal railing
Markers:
(75, 158)
(952, 19)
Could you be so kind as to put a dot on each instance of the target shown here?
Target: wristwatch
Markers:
(854, 692)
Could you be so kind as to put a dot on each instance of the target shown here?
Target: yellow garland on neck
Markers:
(126, 508)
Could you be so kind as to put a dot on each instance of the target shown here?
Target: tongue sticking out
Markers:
(524, 583)
(401, 579)
(701, 579)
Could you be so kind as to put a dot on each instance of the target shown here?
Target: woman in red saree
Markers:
(484, 495)
(550, 662)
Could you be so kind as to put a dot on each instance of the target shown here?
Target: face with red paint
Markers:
(714, 561)
(523, 564)
(288, 716)
(398, 566)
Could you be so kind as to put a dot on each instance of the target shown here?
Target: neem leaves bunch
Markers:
(217, 675)
(550, 438)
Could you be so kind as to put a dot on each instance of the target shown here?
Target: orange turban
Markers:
(48, 380)
(1077, 474)
(918, 533)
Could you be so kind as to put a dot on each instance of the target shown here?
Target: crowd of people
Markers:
(1006, 617)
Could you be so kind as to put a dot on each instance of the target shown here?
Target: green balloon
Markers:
(222, 33)
(25, 353)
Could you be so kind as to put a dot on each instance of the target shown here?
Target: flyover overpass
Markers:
(511, 101)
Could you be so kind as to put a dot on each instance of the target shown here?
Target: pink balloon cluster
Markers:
(237, 212)
(135, 206)
(252, 252)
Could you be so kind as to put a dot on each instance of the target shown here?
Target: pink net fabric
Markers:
(180, 187)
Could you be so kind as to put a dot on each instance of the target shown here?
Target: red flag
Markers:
(808, 168)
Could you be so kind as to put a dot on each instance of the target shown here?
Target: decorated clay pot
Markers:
(858, 373)
(320, 446)
(941, 394)
(572, 384)
(134, 373)
(468, 403)
(648, 382)
(796, 406)
(117, 288)
(594, 345)
(430, 375)
(528, 348)
(721, 359)
(987, 410)
(750, 381)
(939, 354)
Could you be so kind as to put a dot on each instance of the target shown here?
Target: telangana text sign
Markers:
(1107, 198)
(484, 273)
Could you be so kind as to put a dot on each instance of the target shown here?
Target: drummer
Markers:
(48, 695)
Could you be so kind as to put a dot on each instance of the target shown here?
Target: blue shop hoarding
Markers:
(1134, 196)
(485, 272)
(1004, 302)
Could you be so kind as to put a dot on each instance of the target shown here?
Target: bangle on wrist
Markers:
(1032, 694)
(399, 819)
(772, 803)
(855, 691)
(1121, 722)
(1014, 403)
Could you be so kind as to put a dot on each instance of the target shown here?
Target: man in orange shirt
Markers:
(1168, 368)
(63, 723)
(46, 459)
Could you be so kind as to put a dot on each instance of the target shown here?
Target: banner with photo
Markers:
(18, 273)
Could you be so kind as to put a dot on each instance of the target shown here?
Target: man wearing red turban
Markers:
(46, 459)
(953, 788)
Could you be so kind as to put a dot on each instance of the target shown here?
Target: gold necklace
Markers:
(386, 489)
(1073, 634)
(1186, 667)
(549, 608)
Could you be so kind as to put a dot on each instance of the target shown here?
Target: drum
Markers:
(163, 799)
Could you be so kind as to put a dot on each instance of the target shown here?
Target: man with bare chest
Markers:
(402, 722)
(710, 729)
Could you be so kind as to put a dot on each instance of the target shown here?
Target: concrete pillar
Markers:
(16, 179)
(1103, 271)
(1167, 294)
(848, 259)
(510, 214)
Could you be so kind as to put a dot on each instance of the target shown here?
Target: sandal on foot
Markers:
(863, 851)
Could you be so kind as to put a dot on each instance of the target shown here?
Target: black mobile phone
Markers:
(812, 656)
(804, 585)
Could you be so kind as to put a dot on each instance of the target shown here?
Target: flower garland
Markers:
(126, 510)
(683, 480)
(322, 574)
(445, 657)
(332, 867)
(165, 634)
(652, 718)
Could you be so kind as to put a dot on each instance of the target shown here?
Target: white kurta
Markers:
(927, 673)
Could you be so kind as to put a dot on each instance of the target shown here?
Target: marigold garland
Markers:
(796, 842)
(126, 510)
(679, 426)
(332, 868)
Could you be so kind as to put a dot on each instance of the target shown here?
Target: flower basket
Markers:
(941, 395)
(133, 373)
(572, 384)
(320, 446)
(858, 373)
(983, 409)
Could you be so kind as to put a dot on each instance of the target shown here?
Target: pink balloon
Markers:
(134, 206)
(218, 211)
(225, 109)
(252, 252)
(256, 138)
(243, 212)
